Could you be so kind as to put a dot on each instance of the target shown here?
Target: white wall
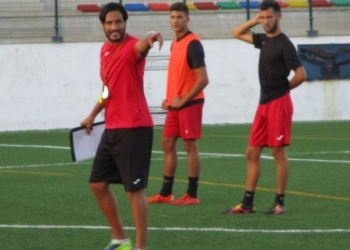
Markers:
(48, 86)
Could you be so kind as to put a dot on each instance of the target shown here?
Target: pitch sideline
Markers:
(186, 229)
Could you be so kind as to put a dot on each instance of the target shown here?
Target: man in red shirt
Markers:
(123, 155)
(187, 77)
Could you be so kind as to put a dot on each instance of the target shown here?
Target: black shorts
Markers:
(123, 156)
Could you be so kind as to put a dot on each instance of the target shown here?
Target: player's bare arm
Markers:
(89, 120)
(145, 44)
(202, 82)
(164, 105)
(242, 31)
(298, 78)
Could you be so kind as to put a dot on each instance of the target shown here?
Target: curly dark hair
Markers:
(266, 4)
(113, 7)
(179, 6)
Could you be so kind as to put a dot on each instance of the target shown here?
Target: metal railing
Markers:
(59, 20)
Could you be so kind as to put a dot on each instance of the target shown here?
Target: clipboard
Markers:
(83, 146)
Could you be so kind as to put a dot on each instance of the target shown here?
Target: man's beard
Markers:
(273, 28)
(122, 34)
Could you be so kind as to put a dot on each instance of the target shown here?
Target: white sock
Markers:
(120, 242)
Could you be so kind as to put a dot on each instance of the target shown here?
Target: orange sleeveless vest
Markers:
(181, 78)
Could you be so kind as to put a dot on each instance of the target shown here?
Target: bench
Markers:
(158, 115)
(158, 6)
(136, 7)
(228, 5)
(252, 4)
(88, 8)
(205, 6)
(157, 62)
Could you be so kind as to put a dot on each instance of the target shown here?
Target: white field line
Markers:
(319, 153)
(203, 155)
(264, 157)
(185, 229)
(42, 165)
(32, 146)
(161, 152)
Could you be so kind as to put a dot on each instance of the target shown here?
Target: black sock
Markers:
(192, 186)
(248, 198)
(279, 199)
(167, 188)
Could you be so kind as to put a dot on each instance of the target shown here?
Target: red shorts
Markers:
(185, 123)
(272, 123)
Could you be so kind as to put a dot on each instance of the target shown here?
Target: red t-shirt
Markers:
(122, 71)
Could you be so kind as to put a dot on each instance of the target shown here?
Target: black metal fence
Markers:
(77, 20)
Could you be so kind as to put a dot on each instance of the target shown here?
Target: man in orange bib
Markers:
(187, 77)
